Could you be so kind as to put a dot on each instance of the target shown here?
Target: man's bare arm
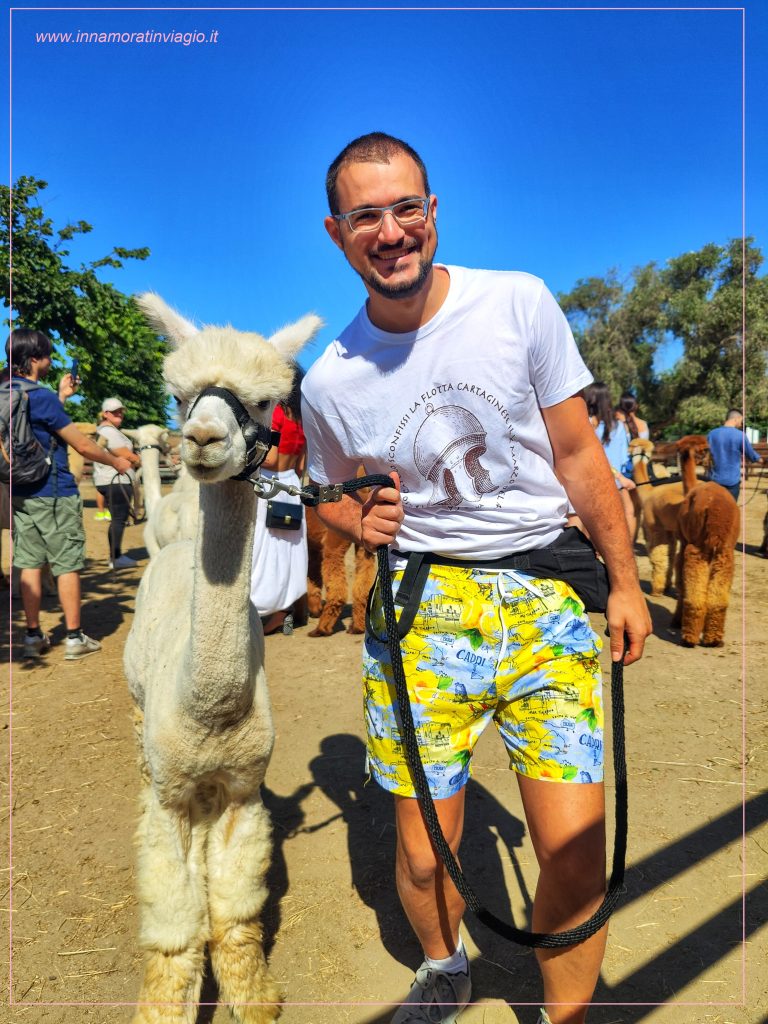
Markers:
(583, 470)
(371, 523)
(90, 450)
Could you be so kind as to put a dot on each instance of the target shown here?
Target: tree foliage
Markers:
(87, 318)
(702, 299)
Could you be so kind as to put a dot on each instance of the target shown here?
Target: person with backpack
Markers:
(46, 505)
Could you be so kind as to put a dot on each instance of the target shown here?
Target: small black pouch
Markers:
(580, 567)
(284, 515)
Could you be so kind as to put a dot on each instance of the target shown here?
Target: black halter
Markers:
(258, 438)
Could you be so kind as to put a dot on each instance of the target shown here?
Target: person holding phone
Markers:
(48, 515)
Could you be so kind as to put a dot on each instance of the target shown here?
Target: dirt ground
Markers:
(687, 945)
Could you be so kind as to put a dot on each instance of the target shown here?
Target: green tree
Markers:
(713, 293)
(618, 326)
(88, 319)
(702, 299)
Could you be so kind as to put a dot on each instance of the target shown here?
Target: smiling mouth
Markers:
(391, 256)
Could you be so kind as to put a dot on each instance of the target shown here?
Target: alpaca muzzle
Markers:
(258, 438)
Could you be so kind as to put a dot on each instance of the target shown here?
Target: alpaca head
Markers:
(150, 435)
(256, 370)
(692, 446)
(641, 448)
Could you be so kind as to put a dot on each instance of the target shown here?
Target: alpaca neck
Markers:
(640, 470)
(219, 684)
(150, 477)
(688, 470)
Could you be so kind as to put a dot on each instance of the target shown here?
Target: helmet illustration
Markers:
(447, 451)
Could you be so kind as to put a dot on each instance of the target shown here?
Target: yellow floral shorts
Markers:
(495, 645)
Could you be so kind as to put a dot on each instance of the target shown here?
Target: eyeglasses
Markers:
(406, 212)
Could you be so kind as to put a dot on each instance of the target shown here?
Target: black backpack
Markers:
(20, 451)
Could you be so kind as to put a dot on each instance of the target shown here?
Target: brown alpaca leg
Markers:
(315, 536)
(174, 914)
(671, 560)
(658, 553)
(696, 574)
(365, 571)
(637, 507)
(718, 597)
(677, 616)
(335, 579)
(239, 849)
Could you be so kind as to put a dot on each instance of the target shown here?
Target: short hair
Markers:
(734, 412)
(373, 148)
(23, 346)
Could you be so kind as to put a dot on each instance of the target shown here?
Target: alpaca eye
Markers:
(264, 404)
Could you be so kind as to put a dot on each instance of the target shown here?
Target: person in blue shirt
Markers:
(727, 444)
(614, 439)
(48, 516)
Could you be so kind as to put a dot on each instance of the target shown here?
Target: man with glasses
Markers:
(464, 386)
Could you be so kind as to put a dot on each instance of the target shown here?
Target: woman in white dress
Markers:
(279, 573)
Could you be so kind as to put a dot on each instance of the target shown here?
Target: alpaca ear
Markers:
(165, 320)
(293, 337)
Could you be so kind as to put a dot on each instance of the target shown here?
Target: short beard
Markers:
(403, 289)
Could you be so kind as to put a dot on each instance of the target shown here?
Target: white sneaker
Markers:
(123, 562)
(34, 646)
(80, 647)
(436, 997)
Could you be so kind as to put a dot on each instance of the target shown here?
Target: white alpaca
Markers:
(175, 515)
(195, 665)
(150, 441)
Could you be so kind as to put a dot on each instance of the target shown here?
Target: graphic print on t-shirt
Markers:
(460, 440)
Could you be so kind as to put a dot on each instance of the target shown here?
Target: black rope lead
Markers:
(314, 495)
(508, 931)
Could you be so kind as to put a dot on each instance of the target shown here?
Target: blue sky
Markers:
(561, 142)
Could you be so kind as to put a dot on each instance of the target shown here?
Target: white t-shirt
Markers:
(454, 408)
(104, 475)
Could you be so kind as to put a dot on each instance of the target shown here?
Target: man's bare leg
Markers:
(567, 826)
(69, 595)
(31, 586)
(428, 895)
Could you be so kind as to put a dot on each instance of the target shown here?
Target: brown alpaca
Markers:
(327, 553)
(659, 509)
(708, 528)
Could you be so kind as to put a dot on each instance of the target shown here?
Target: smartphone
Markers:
(73, 370)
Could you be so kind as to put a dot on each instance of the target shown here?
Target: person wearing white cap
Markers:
(116, 488)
